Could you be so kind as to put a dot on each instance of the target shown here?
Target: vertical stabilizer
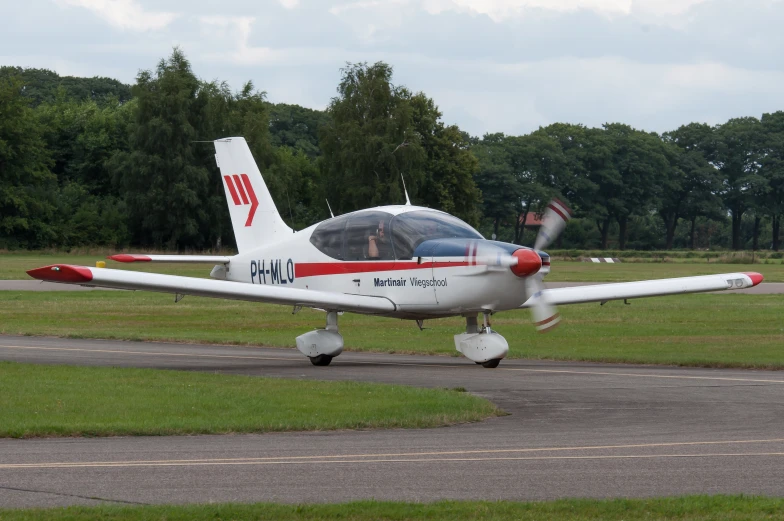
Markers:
(254, 217)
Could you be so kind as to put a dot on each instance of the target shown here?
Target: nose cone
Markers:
(528, 263)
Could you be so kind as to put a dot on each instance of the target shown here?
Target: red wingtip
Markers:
(62, 273)
(129, 257)
(756, 278)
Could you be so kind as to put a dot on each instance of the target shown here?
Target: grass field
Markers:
(690, 508)
(726, 330)
(14, 267)
(50, 400)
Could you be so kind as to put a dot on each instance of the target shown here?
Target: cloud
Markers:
(519, 98)
(491, 65)
(501, 10)
(125, 14)
(236, 31)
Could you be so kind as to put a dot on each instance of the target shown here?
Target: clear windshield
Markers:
(411, 229)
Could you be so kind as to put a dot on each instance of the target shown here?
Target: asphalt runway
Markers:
(574, 430)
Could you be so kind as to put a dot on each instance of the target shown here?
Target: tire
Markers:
(491, 364)
(320, 360)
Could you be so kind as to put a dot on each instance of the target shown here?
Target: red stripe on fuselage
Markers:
(315, 269)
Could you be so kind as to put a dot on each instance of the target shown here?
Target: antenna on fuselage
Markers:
(330, 208)
(403, 144)
(408, 201)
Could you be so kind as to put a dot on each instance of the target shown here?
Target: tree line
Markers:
(94, 162)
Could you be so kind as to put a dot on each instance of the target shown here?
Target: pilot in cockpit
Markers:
(378, 244)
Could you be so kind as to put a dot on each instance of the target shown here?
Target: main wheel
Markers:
(492, 364)
(324, 360)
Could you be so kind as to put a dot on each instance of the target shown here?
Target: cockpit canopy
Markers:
(378, 235)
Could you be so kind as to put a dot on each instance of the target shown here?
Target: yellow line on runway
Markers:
(346, 461)
(402, 364)
(353, 458)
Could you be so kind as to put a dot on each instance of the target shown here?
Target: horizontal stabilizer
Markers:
(135, 257)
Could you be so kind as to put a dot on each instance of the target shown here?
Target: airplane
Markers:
(398, 261)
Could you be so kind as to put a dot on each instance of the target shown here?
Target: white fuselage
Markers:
(421, 287)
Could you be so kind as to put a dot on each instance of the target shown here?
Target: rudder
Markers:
(254, 217)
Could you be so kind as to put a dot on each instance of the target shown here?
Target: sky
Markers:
(490, 65)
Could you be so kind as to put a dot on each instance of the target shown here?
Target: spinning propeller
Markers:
(527, 263)
(545, 315)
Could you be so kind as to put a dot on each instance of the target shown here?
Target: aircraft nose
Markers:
(528, 262)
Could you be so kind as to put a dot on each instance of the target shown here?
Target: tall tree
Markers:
(591, 179)
(772, 169)
(502, 191)
(296, 127)
(299, 200)
(25, 181)
(370, 141)
(163, 180)
(639, 160)
(450, 166)
(543, 169)
(689, 191)
(518, 175)
(82, 136)
(42, 85)
(737, 156)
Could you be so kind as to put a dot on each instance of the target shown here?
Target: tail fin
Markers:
(254, 217)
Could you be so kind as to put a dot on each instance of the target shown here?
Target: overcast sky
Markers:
(491, 65)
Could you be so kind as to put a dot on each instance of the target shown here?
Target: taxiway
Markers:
(573, 430)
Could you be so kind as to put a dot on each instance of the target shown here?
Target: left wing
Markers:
(648, 288)
(121, 279)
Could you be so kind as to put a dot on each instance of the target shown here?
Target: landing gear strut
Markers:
(322, 345)
(485, 346)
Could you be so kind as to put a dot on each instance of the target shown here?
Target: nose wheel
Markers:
(483, 346)
(322, 360)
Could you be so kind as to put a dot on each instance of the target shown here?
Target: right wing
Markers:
(649, 288)
(136, 257)
(133, 280)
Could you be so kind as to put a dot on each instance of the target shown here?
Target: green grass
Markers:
(51, 400)
(14, 266)
(689, 508)
(728, 330)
